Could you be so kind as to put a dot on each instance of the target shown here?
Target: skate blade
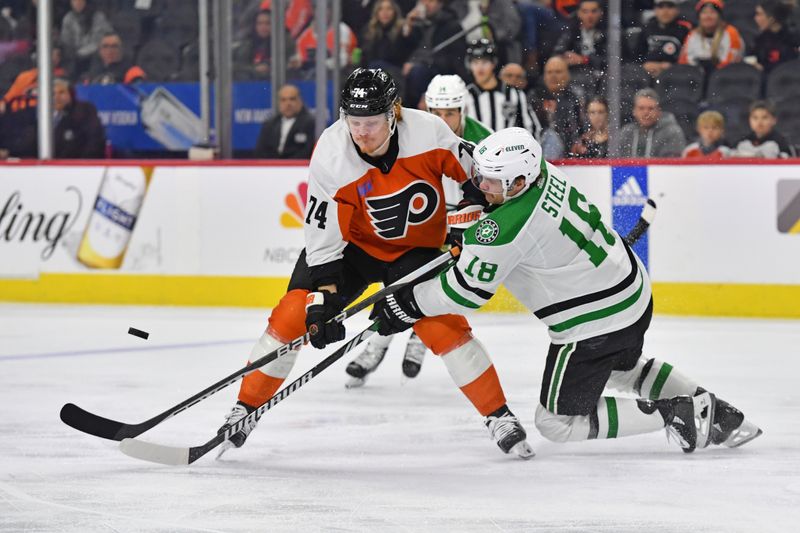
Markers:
(743, 434)
(704, 404)
(354, 383)
(523, 450)
(224, 447)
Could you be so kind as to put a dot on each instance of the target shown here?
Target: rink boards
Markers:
(726, 240)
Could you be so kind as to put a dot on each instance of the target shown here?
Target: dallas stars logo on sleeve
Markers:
(392, 214)
(487, 231)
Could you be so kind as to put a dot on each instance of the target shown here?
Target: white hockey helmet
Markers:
(446, 92)
(506, 155)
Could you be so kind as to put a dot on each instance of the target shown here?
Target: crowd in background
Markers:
(703, 78)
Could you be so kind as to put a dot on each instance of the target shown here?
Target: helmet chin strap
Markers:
(506, 197)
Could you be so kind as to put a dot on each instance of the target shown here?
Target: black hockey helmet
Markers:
(367, 92)
(481, 48)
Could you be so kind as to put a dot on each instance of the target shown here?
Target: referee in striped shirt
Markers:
(490, 100)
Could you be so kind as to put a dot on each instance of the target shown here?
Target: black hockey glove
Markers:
(396, 312)
(321, 306)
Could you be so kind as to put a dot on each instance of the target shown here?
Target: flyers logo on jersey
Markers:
(392, 214)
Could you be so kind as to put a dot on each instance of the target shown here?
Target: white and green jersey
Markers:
(553, 252)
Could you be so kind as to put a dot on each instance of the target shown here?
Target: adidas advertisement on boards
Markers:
(628, 195)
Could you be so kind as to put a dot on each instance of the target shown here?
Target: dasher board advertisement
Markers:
(144, 220)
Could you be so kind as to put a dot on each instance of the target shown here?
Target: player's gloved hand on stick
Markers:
(396, 312)
(321, 306)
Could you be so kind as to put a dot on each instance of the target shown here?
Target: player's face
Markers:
(491, 188)
(452, 118)
(369, 133)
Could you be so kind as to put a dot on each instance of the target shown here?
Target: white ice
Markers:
(392, 456)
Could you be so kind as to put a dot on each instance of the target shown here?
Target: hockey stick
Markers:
(93, 424)
(176, 455)
(646, 218)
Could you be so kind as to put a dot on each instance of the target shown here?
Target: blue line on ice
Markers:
(48, 355)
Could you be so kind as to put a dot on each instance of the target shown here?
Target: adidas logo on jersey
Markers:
(630, 193)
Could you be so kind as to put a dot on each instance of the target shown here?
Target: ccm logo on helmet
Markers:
(391, 215)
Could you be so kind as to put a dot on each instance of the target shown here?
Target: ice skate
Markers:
(730, 428)
(239, 411)
(364, 364)
(508, 433)
(415, 353)
(689, 420)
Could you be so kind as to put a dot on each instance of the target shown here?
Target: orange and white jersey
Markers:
(386, 215)
(698, 47)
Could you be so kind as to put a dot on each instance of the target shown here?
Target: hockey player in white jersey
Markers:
(550, 247)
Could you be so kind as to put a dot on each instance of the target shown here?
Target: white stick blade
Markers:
(155, 453)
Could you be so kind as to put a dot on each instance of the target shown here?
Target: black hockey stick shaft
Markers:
(93, 424)
(171, 455)
(647, 217)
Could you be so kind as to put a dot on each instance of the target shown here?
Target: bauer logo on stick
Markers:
(487, 231)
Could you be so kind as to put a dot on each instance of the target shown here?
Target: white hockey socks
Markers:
(652, 379)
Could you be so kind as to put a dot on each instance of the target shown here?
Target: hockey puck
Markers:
(138, 333)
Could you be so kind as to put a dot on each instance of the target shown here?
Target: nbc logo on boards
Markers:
(295, 207)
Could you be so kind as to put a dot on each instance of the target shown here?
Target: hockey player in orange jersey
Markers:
(376, 212)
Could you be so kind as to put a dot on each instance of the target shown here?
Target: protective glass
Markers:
(486, 184)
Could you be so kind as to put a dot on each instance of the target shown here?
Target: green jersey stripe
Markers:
(613, 417)
(453, 295)
(661, 378)
(600, 313)
(561, 364)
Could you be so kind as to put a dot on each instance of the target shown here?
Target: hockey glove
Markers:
(321, 306)
(396, 312)
(458, 221)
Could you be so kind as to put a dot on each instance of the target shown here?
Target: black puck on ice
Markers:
(138, 333)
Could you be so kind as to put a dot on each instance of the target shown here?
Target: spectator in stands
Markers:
(253, 58)
(490, 100)
(299, 14)
(307, 46)
(763, 141)
(662, 38)
(289, 134)
(563, 8)
(711, 143)
(583, 45)
(514, 75)
(26, 84)
(556, 105)
(111, 66)
(775, 43)
(714, 43)
(593, 143)
(539, 21)
(78, 132)
(653, 133)
(429, 24)
(501, 21)
(383, 44)
(81, 31)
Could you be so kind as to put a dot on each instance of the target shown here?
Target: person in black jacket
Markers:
(429, 24)
(78, 132)
(290, 133)
(583, 45)
(662, 38)
(776, 43)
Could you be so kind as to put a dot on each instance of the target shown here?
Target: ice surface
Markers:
(391, 456)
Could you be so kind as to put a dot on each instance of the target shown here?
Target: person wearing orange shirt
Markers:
(714, 43)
